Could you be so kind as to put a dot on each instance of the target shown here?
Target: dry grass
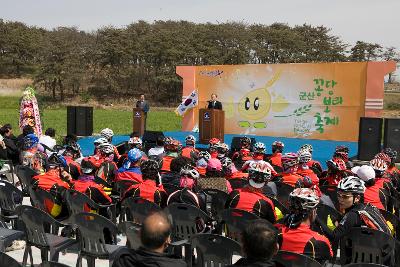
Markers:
(13, 86)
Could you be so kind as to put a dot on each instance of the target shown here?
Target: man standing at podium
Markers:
(144, 106)
(214, 103)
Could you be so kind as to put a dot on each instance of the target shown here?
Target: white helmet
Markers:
(351, 184)
(107, 133)
(304, 155)
(259, 173)
(190, 171)
(226, 162)
(303, 199)
(100, 141)
(106, 148)
(190, 139)
(308, 147)
(135, 141)
(259, 147)
(205, 155)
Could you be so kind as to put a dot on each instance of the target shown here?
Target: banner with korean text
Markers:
(317, 101)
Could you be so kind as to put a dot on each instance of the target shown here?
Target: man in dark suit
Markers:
(144, 106)
(214, 103)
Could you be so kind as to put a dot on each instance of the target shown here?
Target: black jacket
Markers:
(217, 105)
(12, 149)
(145, 258)
(255, 263)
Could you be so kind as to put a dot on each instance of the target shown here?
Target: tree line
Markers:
(141, 57)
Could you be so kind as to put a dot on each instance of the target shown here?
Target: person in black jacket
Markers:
(11, 143)
(214, 103)
(259, 245)
(155, 235)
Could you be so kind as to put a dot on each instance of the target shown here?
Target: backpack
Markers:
(373, 219)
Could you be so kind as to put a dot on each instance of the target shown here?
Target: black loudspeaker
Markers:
(150, 138)
(391, 137)
(80, 120)
(369, 137)
(235, 144)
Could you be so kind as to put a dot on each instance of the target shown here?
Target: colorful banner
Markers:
(316, 101)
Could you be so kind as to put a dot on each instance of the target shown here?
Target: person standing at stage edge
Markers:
(214, 103)
(144, 106)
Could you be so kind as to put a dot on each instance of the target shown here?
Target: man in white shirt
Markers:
(158, 150)
(47, 140)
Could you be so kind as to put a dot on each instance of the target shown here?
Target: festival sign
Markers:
(317, 101)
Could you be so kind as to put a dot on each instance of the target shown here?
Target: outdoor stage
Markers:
(323, 149)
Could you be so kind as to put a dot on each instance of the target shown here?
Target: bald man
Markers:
(155, 235)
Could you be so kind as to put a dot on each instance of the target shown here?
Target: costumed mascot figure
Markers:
(29, 111)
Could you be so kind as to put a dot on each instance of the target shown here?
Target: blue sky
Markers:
(351, 20)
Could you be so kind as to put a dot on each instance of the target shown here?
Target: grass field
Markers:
(118, 120)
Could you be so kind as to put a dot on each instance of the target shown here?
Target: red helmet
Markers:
(383, 156)
(214, 141)
(336, 164)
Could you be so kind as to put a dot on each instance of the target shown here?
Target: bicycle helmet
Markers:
(106, 148)
(391, 153)
(87, 167)
(226, 162)
(55, 160)
(277, 146)
(342, 148)
(289, 160)
(222, 149)
(259, 147)
(107, 133)
(307, 147)
(205, 155)
(383, 156)
(245, 142)
(303, 199)
(190, 140)
(149, 166)
(214, 141)
(172, 145)
(337, 164)
(100, 141)
(259, 173)
(351, 184)
(30, 140)
(379, 166)
(135, 142)
(304, 156)
(190, 172)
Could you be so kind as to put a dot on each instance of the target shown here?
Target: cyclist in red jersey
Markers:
(148, 189)
(277, 150)
(230, 171)
(296, 234)
(314, 165)
(289, 176)
(251, 198)
(190, 147)
(172, 150)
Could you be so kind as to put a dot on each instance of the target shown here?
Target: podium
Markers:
(211, 124)
(138, 121)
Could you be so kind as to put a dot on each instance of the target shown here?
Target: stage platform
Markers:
(323, 149)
